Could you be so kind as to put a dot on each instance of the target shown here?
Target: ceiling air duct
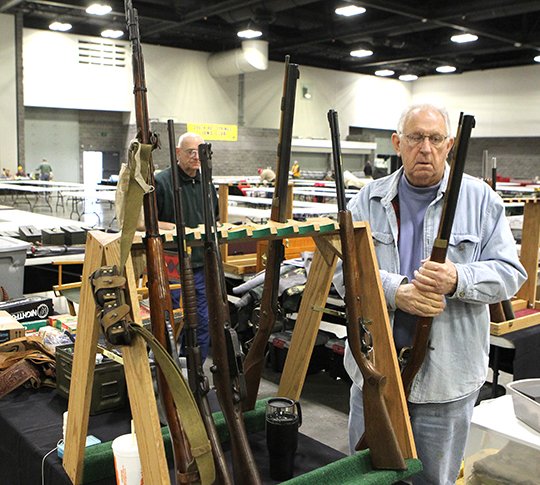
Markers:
(251, 57)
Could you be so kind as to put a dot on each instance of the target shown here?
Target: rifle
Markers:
(414, 356)
(226, 350)
(379, 434)
(161, 311)
(198, 382)
(269, 304)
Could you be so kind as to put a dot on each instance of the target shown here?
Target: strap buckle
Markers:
(109, 293)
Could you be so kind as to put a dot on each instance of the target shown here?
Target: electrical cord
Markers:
(45, 457)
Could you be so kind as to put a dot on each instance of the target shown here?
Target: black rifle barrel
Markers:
(275, 253)
(440, 246)
(161, 310)
(228, 368)
(198, 382)
(380, 435)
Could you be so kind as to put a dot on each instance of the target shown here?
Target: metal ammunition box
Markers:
(74, 235)
(53, 236)
(109, 389)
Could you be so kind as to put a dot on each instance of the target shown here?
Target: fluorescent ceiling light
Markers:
(60, 26)
(249, 33)
(112, 34)
(384, 73)
(445, 69)
(462, 38)
(537, 59)
(408, 77)
(98, 9)
(350, 10)
(361, 53)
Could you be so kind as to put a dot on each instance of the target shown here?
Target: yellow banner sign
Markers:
(213, 131)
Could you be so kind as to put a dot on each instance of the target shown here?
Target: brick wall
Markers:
(517, 157)
(256, 147)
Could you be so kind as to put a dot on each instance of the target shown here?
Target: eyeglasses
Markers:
(415, 139)
(192, 152)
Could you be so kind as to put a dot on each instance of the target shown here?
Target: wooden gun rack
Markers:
(103, 249)
(526, 297)
(325, 233)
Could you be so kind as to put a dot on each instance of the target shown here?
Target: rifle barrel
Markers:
(161, 310)
(254, 361)
(380, 435)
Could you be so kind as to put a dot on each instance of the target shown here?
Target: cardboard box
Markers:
(9, 327)
(64, 321)
(28, 308)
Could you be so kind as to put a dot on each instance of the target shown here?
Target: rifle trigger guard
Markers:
(366, 339)
(109, 294)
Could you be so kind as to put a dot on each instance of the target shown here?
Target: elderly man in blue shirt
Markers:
(482, 267)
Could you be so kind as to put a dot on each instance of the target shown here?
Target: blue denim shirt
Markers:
(484, 252)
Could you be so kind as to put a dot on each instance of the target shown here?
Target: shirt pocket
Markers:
(384, 249)
(463, 248)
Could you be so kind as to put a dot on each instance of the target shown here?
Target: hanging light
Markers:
(408, 77)
(462, 38)
(251, 31)
(384, 73)
(112, 34)
(60, 26)
(445, 69)
(362, 53)
(98, 9)
(350, 10)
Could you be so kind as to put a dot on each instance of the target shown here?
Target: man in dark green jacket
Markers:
(189, 165)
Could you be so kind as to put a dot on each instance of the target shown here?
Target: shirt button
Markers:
(461, 294)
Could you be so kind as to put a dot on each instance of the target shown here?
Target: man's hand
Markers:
(435, 277)
(424, 304)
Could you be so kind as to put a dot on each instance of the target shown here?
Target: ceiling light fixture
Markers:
(462, 38)
(384, 73)
(60, 26)
(408, 77)
(112, 34)
(250, 32)
(98, 9)
(361, 53)
(350, 10)
(445, 69)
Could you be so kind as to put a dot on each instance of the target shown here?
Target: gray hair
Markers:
(188, 134)
(423, 107)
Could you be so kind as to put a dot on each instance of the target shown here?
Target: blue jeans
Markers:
(440, 433)
(203, 336)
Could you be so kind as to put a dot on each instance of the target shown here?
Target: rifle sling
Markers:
(184, 400)
(130, 193)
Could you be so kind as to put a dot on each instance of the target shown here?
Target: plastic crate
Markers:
(12, 259)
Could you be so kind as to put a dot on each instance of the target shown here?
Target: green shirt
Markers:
(192, 204)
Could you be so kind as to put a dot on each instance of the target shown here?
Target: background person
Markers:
(45, 170)
(192, 203)
(404, 211)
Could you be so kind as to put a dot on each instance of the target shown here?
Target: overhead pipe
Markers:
(251, 57)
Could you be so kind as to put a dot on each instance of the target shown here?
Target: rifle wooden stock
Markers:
(440, 246)
(226, 354)
(198, 382)
(254, 361)
(379, 434)
(159, 295)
